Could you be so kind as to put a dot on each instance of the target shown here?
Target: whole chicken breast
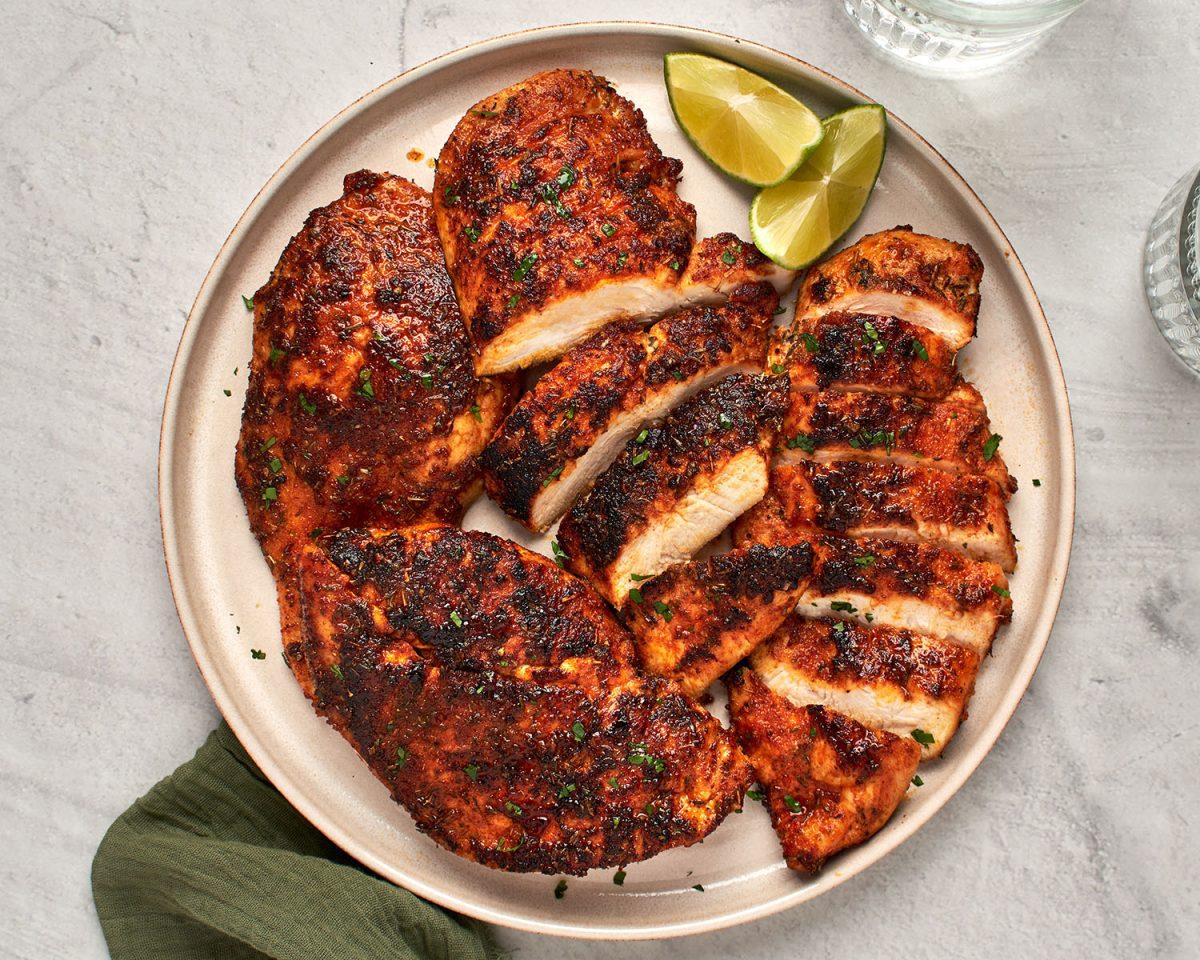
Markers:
(694, 621)
(497, 698)
(925, 280)
(830, 782)
(579, 415)
(558, 214)
(675, 487)
(885, 678)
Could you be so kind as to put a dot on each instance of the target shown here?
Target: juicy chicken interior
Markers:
(498, 699)
(558, 214)
(830, 782)
(675, 487)
(925, 280)
(885, 678)
(579, 415)
(363, 406)
(694, 621)
(963, 512)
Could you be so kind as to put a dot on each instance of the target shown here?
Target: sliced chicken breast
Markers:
(830, 782)
(886, 679)
(578, 417)
(828, 426)
(694, 621)
(962, 512)
(856, 351)
(927, 281)
(558, 214)
(675, 487)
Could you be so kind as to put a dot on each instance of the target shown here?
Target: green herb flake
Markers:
(427, 381)
(839, 627)
(698, 886)
(635, 594)
(639, 577)
(514, 300)
(512, 808)
(663, 610)
(755, 794)
(270, 494)
(728, 257)
(257, 654)
(472, 234)
(472, 771)
(777, 368)
(1037, 482)
(450, 196)
(810, 342)
(307, 405)
(674, 265)
(919, 350)
(648, 809)
(560, 889)
(456, 618)
(1001, 591)
(843, 606)
(619, 878)
(923, 738)
(475, 413)
(870, 331)
(792, 803)
(401, 757)
(336, 670)
(621, 259)
(247, 302)
(608, 229)
(614, 782)
(559, 555)
(641, 437)
(486, 114)
(276, 355)
(566, 178)
(723, 421)
(276, 464)
(343, 480)
(578, 731)
(864, 561)
(641, 457)
(990, 446)
(269, 443)
(917, 781)
(566, 791)
(554, 475)
(227, 393)
(801, 441)
(570, 414)
(524, 266)
(578, 261)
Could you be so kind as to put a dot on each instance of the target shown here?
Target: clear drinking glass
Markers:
(1171, 269)
(957, 35)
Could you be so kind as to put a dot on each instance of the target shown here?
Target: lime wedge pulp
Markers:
(796, 221)
(743, 124)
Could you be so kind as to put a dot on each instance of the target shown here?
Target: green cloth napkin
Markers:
(214, 863)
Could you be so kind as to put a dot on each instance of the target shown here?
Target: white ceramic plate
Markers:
(225, 594)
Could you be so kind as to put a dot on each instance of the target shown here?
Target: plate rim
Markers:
(965, 766)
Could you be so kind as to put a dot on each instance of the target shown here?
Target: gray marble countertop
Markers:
(134, 135)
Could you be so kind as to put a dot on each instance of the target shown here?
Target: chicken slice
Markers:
(574, 422)
(962, 512)
(497, 698)
(558, 214)
(363, 407)
(828, 426)
(675, 486)
(865, 352)
(927, 281)
(886, 679)
(694, 621)
(830, 782)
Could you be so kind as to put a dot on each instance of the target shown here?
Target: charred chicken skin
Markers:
(925, 280)
(580, 414)
(675, 486)
(696, 620)
(830, 782)
(559, 214)
(497, 698)
(363, 406)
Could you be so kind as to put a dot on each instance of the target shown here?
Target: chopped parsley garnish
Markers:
(698, 886)
(365, 386)
(566, 791)
(257, 654)
(641, 437)
(873, 341)
(923, 738)
(276, 355)
(548, 193)
(514, 300)
(614, 782)
(524, 266)
(674, 264)
(343, 480)
(455, 618)
(640, 457)
(619, 878)
(486, 113)
(728, 256)
(663, 610)
(270, 494)
(475, 413)
(248, 302)
(801, 441)
(554, 475)
(566, 178)
(678, 375)
(990, 445)
(512, 808)
(559, 554)
(269, 443)
(918, 348)
(839, 627)
(865, 439)
(621, 259)
(472, 234)
(810, 342)
(639, 757)
(639, 577)
(843, 606)
(635, 594)
(865, 560)
(401, 756)
(307, 405)
(336, 670)
(870, 617)
(917, 781)
(472, 771)
(560, 889)
(1037, 482)
(427, 381)
(227, 393)
(570, 414)
(450, 196)
(792, 803)
(578, 261)
(503, 847)
(1002, 591)
(723, 421)
(616, 821)
(608, 229)
(578, 731)
(648, 809)
(781, 309)
(755, 794)
(276, 464)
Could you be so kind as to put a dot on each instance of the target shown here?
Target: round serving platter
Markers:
(225, 594)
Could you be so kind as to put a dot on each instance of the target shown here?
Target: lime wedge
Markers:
(796, 221)
(744, 125)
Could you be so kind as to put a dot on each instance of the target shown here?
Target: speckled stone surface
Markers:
(133, 135)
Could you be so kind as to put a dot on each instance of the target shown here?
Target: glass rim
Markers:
(1189, 244)
(968, 7)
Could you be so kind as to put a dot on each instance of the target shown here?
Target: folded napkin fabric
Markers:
(214, 863)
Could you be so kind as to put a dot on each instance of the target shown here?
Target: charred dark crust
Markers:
(737, 414)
